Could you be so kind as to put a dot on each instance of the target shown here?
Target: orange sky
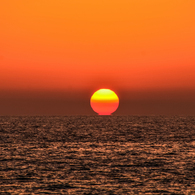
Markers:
(126, 45)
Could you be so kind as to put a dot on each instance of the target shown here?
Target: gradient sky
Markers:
(55, 54)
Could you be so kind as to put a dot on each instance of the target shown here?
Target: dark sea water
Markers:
(97, 155)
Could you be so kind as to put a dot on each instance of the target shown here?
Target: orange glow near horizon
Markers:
(49, 45)
(104, 101)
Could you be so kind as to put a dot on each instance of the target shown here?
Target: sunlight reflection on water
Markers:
(97, 155)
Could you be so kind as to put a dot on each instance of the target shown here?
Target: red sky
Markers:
(55, 54)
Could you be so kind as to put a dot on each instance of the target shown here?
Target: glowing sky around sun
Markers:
(78, 46)
(61, 44)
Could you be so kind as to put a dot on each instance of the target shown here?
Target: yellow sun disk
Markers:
(104, 101)
(104, 94)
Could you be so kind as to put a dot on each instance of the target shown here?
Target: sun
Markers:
(104, 101)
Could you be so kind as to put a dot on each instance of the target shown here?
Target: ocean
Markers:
(97, 155)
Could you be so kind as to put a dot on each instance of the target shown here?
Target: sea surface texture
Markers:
(97, 155)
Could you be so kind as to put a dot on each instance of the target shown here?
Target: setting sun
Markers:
(104, 101)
